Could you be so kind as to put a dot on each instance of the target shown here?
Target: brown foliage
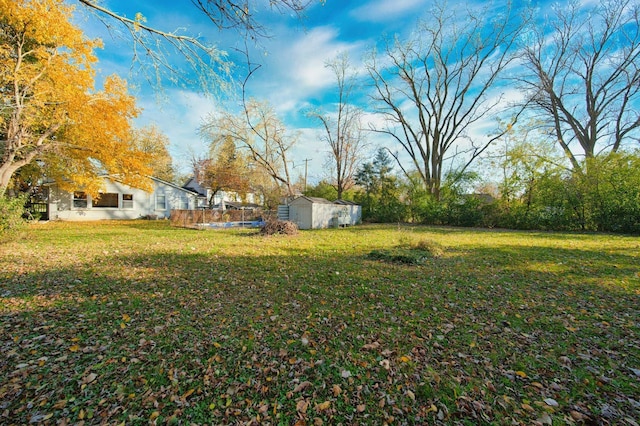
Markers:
(275, 226)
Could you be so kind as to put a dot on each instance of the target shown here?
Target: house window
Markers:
(79, 200)
(104, 200)
(184, 202)
(161, 202)
(127, 201)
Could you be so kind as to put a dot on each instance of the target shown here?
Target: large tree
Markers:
(584, 76)
(342, 127)
(50, 111)
(433, 88)
(258, 131)
(226, 169)
(152, 141)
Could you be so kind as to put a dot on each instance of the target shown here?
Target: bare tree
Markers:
(433, 88)
(584, 76)
(342, 129)
(259, 131)
(156, 47)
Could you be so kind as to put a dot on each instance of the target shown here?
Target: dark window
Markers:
(108, 199)
(127, 201)
(79, 200)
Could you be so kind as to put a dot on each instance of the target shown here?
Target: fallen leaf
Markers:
(361, 408)
(89, 378)
(371, 346)
(521, 374)
(302, 406)
(545, 419)
(527, 407)
(578, 416)
(302, 386)
(323, 406)
(336, 389)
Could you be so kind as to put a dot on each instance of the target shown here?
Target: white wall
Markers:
(308, 215)
(143, 203)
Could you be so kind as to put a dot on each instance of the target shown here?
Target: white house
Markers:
(220, 198)
(316, 213)
(120, 201)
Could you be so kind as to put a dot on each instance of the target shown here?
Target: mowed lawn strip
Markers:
(138, 322)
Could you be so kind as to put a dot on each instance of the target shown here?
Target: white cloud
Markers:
(296, 72)
(385, 10)
(178, 116)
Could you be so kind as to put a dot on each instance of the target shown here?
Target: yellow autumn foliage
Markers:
(51, 111)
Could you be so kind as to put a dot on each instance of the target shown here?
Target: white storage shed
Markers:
(317, 213)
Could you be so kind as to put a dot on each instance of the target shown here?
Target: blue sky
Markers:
(292, 77)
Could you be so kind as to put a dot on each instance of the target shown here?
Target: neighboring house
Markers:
(120, 201)
(221, 198)
(234, 205)
(317, 213)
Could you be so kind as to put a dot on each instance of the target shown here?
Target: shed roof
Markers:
(313, 200)
(345, 202)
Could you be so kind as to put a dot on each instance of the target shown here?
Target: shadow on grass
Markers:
(297, 266)
(252, 327)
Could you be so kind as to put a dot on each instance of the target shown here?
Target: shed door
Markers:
(301, 215)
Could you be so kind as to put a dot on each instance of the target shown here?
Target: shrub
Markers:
(11, 221)
(412, 254)
(431, 247)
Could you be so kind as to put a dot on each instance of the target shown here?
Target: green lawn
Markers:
(138, 323)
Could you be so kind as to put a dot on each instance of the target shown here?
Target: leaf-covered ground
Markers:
(138, 323)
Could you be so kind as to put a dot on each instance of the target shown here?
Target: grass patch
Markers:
(140, 323)
(416, 253)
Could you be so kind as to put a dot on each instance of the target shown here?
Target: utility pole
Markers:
(306, 164)
(306, 168)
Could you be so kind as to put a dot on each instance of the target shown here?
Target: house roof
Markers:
(172, 185)
(193, 185)
(115, 179)
(238, 206)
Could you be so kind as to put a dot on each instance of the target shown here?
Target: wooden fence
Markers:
(192, 218)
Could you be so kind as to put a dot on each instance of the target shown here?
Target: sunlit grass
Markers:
(138, 322)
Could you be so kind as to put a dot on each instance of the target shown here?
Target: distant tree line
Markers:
(563, 152)
(533, 194)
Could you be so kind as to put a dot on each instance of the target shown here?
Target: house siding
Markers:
(143, 204)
